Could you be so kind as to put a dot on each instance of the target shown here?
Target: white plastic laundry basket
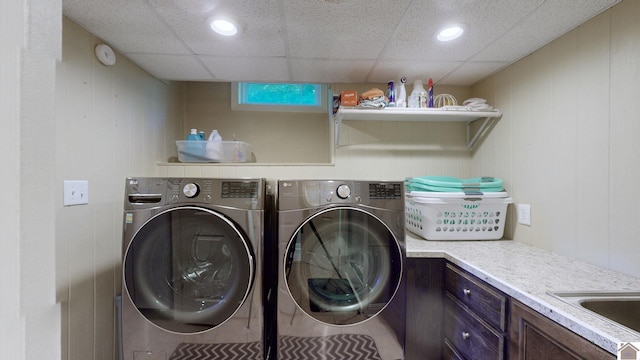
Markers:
(456, 216)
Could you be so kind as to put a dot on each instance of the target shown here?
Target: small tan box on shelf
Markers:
(349, 98)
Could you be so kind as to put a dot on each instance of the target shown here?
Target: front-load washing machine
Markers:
(192, 284)
(341, 285)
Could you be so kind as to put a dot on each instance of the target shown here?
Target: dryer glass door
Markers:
(343, 266)
(188, 269)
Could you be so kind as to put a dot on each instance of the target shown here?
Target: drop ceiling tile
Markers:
(485, 21)
(330, 71)
(172, 67)
(388, 70)
(471, 72)
(328, 40)
(340, 29)
(551, 20)
(127, 26)
(247, 69)
(261, 29)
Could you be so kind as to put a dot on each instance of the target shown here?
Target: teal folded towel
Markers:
(451, 184)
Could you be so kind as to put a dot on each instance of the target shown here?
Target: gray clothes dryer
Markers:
(192, 265)
(341, 269)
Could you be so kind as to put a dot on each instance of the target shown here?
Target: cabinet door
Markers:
(533, 337)
(425, 279)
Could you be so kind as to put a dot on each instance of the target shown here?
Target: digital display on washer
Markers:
(239, 189)
(385, 191)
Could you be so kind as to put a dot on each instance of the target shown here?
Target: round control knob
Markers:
(190, 190)
(343, 191)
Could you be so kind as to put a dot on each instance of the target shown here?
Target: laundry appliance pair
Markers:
(249, 269)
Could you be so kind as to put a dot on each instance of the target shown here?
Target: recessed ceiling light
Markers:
(450, 33)
(224, 27)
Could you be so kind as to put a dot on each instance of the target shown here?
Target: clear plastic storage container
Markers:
(196, 151)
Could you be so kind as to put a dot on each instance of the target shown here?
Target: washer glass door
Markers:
(188, 269)
(343, 266)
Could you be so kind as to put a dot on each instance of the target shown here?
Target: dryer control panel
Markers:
(296, 194)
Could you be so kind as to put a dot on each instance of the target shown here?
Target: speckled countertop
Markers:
(526, 273)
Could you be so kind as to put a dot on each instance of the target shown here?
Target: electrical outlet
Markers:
(524, 214)
(76, 192)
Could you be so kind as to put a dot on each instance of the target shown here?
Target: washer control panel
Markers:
(151, 192)
(239, 189)
(385, 191)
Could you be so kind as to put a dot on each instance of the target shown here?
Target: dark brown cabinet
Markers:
(475, 316)
(532, 336)
(423, 339)
(452, 314)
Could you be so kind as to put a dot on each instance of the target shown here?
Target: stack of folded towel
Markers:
(451, 184)
(373, 99)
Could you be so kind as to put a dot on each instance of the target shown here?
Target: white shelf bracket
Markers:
(337, 124)
(471, 141)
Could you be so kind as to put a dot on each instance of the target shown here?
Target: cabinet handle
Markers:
(465, 335)
(466, 292)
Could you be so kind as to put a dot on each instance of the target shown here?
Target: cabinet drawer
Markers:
(489, 304)
(449, 353)
(470, 335)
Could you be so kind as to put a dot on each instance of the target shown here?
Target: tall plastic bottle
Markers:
(194, 145)
(430, 93)
(418, 90)
(391, 93)
(214, 146)
(193, 135)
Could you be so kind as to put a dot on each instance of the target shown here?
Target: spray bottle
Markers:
(401, 98)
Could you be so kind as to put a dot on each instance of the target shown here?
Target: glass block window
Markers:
(279, 97)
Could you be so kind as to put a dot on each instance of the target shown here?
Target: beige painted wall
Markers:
(569, 140)
(111, 122)
(29, 47)
(299, 137)
(373, 149)
(289, 137)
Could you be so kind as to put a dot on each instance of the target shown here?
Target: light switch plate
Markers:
(76, 192)
(524, 214)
